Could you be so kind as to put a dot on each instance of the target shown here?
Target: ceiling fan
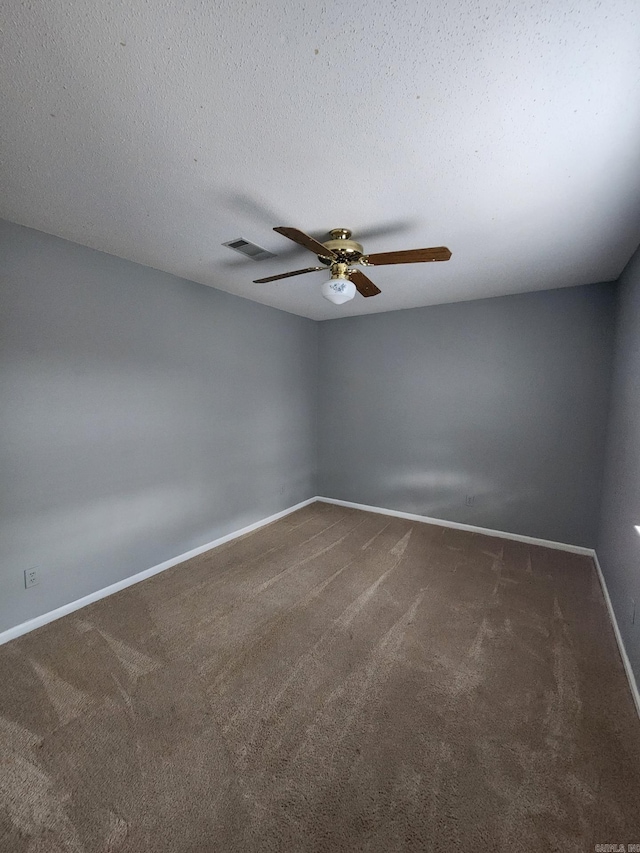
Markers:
(340, 253)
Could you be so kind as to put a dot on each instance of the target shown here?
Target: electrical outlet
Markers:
(31, 577)
(470, 500)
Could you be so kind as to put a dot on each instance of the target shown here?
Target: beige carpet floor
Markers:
(337, 681)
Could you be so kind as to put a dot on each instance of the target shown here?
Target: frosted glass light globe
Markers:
(338, 290)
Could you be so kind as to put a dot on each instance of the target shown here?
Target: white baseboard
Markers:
(633, 685)
(470, 528)
(52, 615)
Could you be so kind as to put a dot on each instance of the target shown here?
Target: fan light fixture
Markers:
(338, 289)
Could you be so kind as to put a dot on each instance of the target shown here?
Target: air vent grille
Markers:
(249, 250)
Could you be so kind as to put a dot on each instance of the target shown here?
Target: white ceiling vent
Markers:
(256, 253)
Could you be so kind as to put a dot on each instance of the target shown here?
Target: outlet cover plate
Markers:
(31, 577)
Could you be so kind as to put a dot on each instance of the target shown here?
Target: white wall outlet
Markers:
(470, 500)
(31, 577)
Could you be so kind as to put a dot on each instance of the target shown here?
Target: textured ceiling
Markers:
(157, 130)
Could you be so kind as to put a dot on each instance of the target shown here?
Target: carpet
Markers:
(335, 681)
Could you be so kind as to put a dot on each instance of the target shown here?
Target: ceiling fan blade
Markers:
(411, 256)
(303, 239)
(364, 285)
(287, 275)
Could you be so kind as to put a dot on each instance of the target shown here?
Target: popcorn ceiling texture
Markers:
(156, 131)
(337, 681)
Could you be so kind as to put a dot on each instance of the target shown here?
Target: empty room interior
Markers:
(319, 427)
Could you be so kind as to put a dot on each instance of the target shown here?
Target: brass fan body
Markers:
(343, 249)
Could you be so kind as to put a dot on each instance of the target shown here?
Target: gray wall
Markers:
(504, 399)
(142, 416)
(618, 542)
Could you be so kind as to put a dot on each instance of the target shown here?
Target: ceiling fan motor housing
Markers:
(346, 251)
